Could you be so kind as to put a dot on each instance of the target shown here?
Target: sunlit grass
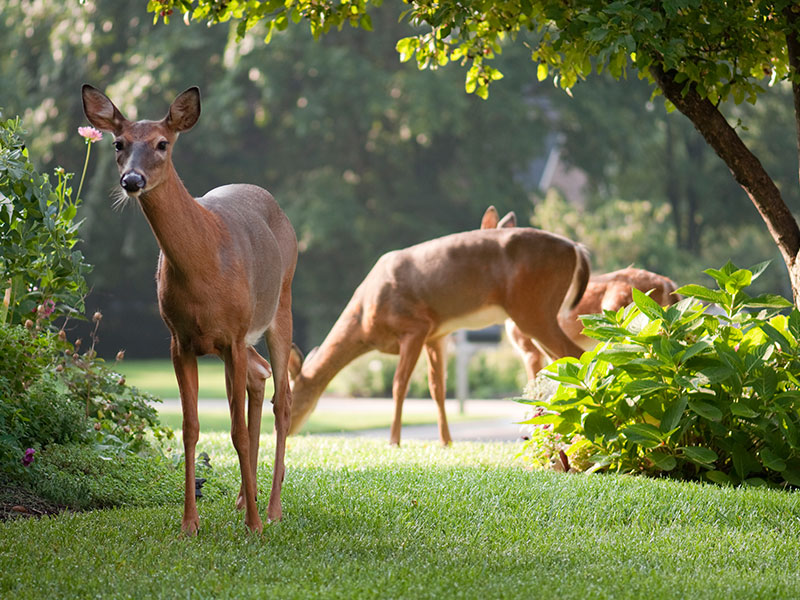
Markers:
(364, 520)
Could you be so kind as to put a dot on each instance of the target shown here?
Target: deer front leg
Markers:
(437, 377)
(185, 365)
(410, 348)
(236, 378)
(258, 371)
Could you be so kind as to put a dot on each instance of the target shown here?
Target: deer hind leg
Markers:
(236, 358)
(279, 341)
(437, 377)
(532, 357)
(410, 349)
(186, 373)
(258, 371)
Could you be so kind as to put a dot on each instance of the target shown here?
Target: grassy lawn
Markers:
(363, 520)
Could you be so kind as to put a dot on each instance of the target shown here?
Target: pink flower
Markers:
(46, 308)
(90, 134)
(27, 459)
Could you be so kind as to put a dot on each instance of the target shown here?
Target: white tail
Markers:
(224, 279)
(412, 298)
(607, 291)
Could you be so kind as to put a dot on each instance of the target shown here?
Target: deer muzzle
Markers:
(132, 182)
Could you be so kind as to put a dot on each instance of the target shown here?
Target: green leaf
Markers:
(640, 387)
(772, 461)
(699, 455)
(718, 477)
(768, 301)
(673, 414)
(740, 409)
(647, 305)
(596, 425)
(701, 293)
(665, 462)
(706, 410)
(643, 434)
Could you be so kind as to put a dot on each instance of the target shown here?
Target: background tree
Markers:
(364, 153)
(698, 53)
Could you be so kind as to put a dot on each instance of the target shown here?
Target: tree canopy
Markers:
(699, 54)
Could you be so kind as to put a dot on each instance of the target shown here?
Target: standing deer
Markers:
(607, 291)
(224, 279)
(413, 298)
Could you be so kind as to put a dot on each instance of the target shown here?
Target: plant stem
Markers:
(83, 175)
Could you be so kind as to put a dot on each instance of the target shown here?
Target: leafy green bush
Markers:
(33, 408)
(51, 394)
(41, 272)
(681, 391)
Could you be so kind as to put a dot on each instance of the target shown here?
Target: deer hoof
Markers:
(189, 527)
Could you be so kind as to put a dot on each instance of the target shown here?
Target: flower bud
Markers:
(97, 316)
(120, 355)
(97, 426)
(62, 335)
(28, 324)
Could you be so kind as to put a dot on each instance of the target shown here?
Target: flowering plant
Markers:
(41, 271)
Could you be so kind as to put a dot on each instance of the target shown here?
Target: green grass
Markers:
(158, 377)
(363, 520)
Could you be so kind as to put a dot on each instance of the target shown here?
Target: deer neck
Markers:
(344, 343)
(187, 233)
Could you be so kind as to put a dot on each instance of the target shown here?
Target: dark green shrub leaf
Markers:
(740, 409)
(665, 462)
(673, 414)
(777, 337)
(596, 425)
(643, 434)
(706, 410)
(638, 387)
(770, 460)
(700, 455)
(718, 477)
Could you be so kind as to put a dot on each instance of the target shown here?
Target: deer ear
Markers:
(295, 361)
(100, 111)
(490, 217)
(510, 220)
(184, 110)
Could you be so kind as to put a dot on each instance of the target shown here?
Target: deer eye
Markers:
(118, 145)
(162, 145)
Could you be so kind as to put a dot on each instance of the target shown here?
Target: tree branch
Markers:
(745, 167)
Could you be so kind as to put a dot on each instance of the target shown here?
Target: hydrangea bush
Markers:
(705, 389)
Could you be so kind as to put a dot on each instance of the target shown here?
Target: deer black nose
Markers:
(132, 182)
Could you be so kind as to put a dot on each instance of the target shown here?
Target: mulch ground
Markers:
(17, 502)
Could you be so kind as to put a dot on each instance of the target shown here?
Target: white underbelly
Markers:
(490, 315)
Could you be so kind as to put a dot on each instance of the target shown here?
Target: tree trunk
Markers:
(671, 186)
(745, 167)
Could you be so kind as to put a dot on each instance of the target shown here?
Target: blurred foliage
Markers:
(364, 153)
(617, 232)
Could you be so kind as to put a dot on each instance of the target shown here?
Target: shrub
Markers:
(681, 391)
(41, 272)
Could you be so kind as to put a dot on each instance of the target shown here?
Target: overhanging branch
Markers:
(744, 165)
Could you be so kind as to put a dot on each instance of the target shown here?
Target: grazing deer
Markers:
(607, 291)
(413, 298)
(224, 279)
